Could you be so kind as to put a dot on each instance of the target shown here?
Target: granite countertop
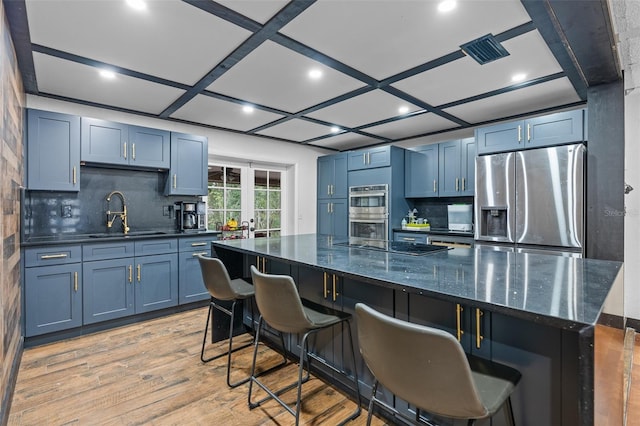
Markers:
(565, 292)
(72, 238)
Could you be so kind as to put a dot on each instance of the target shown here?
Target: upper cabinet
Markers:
(553, 129)
(446, 169)
(53, 151)
(421, 171)
(370, 158)
(456, 168)
(107, 142)
(188, 172)
(332, 176)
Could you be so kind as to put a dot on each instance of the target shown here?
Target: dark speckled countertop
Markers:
(564, 292)
(72, 238)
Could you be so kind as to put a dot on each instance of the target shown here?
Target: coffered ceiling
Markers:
(244, 65)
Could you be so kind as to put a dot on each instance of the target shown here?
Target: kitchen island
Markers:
(534, 312)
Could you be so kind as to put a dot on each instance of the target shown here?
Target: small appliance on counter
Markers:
(191, 216)
(460, 217)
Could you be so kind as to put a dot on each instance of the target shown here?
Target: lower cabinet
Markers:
(117, 284)
(52, 288)
(191, 286)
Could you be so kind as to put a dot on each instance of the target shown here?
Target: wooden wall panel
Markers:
(12, 102)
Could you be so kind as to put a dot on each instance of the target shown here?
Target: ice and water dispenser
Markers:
(494, 222)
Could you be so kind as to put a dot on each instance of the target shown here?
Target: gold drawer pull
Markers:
(198, 244)
(75, 281)
(130, 273)
(175, 181)
(133, 151)
(124, 150)
(459, 331)
(335, 293)
(138, 268)
(479, 336)
(203, 253)
(75, 179)
(519, 133)
(53, 256)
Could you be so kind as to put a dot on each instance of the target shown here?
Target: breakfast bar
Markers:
(534, 312)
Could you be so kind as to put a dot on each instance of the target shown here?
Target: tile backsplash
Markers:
(435, 209)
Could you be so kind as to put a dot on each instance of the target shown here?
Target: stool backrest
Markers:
(279, 302)
(216, 278)
(422, 365)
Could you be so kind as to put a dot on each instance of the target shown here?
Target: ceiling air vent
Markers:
(485, 49)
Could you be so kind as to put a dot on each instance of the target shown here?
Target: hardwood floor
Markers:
(150, 373)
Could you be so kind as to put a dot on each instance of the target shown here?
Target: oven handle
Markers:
(362, 220)
(367, 194)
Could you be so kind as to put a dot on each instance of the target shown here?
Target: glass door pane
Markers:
(267, 202)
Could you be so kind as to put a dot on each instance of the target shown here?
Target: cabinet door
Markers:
(53, 298)
(450, 181)
(555, 129)
(324, 222)
(188, 172)
(340, 218)
(500, 137)
(468, 166)
(109, 289)
(53, 151)
(104, 142)
(369, 158)
(340, 184)
(415, 174)
(156, 282)
(149, 147)
(190, 283)
(326, 168)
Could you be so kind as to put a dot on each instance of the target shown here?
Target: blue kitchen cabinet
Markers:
(191, 286)
(553, 129)
(456, 168)
(53, 151)
(109, 289)
(421, 172)
(372, 157)
(52, 289)
(188, 172)
(332, 176)
(107, 142)
(127, 278)
(333, 218)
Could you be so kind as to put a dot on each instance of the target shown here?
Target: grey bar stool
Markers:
(281, 308)
(428, 368)
(221, 287)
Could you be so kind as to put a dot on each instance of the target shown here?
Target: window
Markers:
(267, 204)
(225, 195)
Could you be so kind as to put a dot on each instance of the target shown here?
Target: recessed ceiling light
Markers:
(108, 74)
(518, 77)
(447, 5)
(403, 109)
(248, 109)
(315, 74)
(137, 4)
(335, 129)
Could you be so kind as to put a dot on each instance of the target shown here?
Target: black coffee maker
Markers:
(191, 216)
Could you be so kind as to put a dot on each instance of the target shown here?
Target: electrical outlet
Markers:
(66, 210)
(166, 210)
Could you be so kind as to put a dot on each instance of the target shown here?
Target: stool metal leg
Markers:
(373, 397)
(213, 305)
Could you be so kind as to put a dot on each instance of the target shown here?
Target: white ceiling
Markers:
(202, 61)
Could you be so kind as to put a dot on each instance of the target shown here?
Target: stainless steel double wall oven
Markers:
(369, 212)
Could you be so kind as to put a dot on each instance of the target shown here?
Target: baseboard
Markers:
(611, 320)
(13, 378)
(633, 323)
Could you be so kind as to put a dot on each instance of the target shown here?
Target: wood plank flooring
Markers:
(150, 373)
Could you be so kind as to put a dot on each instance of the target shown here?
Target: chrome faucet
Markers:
(122, 214)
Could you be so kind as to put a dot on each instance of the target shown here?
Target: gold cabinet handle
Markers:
(75, 281)
(459, 331)
(53, 256)
(457, 181)
(175, 181)
(332, 189)
(435, 189)
(258, 263)
(519, 133)
(364, 157)
(198, 244)
(264, 265)
(335, 293)
(138, 272)
(133, 151)
(124, 150)
(324, 289)
(203, 253)
(464, 187)
(408, 239)
(130, 273)
(479, 336)
(75, 178)
(328, 189)
(528, 132)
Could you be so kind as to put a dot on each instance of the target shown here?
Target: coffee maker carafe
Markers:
(191, 216)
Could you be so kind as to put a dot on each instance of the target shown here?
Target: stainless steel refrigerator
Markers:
(532, 199)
